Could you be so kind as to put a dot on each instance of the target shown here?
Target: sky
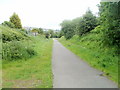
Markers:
(45, 13)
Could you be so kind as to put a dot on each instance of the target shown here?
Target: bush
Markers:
(9, 24)
(17, 50)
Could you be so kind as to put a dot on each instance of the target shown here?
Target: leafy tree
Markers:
(87, 23)
(110, 22)
(76, 24)
(80, 25)
(51, 33)
(40, 31)
(67, 28)
(47, 34)
(60, 34)
(16, 21)
(9, 24)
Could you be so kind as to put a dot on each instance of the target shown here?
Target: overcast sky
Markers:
(45, 13)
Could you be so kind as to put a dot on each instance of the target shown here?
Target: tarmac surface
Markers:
(69, 71)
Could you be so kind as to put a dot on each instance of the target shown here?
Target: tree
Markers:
(68, 29)
(80, 25)
(40, 31)
(87, 23)
(16, 21)
(51, 33)
(110, 22)
(60, 34)
(47, 34)
(9, 24)
(76, 24)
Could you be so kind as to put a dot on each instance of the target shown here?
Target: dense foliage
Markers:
(80, 25)
(68, 29)
(110, 22)
(17, 50)
(87, 23)
(40, 31)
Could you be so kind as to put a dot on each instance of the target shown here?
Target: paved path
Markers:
(71, 72)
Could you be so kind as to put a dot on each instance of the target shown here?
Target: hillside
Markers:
(26, 59)
(10, 34)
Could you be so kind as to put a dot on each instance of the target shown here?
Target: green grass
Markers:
(34, 72)
(10, 34)
(89, 48)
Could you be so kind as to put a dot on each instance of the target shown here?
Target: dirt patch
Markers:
(24, 83)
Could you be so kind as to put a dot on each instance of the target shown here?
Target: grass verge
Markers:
(34, 72)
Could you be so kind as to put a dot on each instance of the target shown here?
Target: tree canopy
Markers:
(67, 28)
(80, 25)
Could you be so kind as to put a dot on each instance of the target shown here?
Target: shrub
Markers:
(17, 50)
(9, 24)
